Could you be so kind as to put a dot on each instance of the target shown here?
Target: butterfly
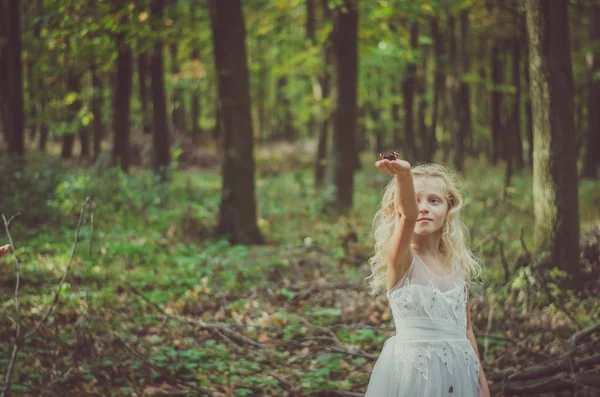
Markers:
(392, 157)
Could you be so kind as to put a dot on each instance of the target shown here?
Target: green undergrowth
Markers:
(149, 241)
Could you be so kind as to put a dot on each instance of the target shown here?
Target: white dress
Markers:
(430, 355)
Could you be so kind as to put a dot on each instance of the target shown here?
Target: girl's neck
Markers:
(427, 246)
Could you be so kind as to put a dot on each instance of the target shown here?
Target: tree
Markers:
(343, 153)
(122, 100)
(237, 217)
(11, 76)
(162, 156)
(554, 170)
(591, 161)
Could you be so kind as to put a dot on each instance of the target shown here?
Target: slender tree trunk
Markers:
(261, 91)
(196, 104)
(72, 82)
(528, 112)
(465, 97)
(312, 38)
(162, 153)
(519, 162)
(325, 82)
(195, 111)
(555, 171)
(97, 126)
(177, 104)
(345, 47)
(142, 67)
(496, 102)
(122, 102)
(438, 90)
(454, 97)
(238, 215)
(408, 93)
(592, 148)
(11, 76)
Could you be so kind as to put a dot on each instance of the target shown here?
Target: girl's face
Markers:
(433, 205)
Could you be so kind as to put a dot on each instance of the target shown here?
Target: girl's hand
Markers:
(4, 249)
(397, 167)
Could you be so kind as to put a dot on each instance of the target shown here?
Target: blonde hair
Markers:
(454, 242)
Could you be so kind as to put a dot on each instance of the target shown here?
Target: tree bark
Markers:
(438, 89)
(177, 104)
(454, 97)
(11, 77)
(325, 82)
(496, 102)
(238, 215)
(528, 112)
(555, 171)
(592, 148)
(142, 67)
(516, 112)
(345, 47)
(162, 154)
(465, 97)
(408, 93)
(122, 102)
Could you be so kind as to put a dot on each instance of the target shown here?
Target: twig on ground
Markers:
(17, 345)
(65, 274)
(159, 370)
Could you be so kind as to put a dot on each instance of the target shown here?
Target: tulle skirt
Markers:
(391, 377)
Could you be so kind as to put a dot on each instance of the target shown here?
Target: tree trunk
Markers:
(496, 102)
(237, 217)
(438, 90)
(465, 97)
(97, 126)
(284, 128)
(592, 147)
(261, 91)
(555, 171)
(517, 142)
(528, 113)
(177, 104)
(312, 38)
(196, 110)
(162, 154)
(408, 93)
(454, 98)
(11, 76)
(345, 48)
(72, 82)
(122, 102)
(142, 67)
(196, 105)
(325, 82)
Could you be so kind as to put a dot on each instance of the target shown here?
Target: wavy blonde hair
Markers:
(454, 242)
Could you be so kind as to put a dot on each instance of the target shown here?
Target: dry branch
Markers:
(561, 373)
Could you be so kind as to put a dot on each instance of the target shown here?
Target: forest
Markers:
(188, 187)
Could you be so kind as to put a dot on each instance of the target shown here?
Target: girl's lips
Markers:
(424, 220)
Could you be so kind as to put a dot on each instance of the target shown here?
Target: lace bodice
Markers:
(420, 293)
(430, 317)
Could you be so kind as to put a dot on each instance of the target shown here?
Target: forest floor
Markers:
(154, 304)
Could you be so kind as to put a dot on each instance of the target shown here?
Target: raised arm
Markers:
(407, 211)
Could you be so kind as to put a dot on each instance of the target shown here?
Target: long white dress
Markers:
(430, 355)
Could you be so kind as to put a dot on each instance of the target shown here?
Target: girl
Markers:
(423, 260)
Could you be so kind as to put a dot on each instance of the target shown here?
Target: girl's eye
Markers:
(436, 199)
